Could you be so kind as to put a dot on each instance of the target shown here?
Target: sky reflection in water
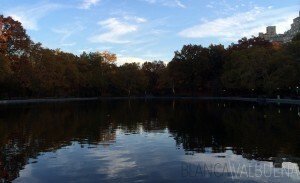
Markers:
(150, 142)
(152, 158)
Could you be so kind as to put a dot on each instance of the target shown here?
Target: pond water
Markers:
(149, 141)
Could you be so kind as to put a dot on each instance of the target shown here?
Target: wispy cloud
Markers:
(65, 32)
(68, 44)
(228, 7)
(29, 17)
(86, 4)
(243, 24)
(68, 30)
(116, 29)
(170, 3)
(135, 19)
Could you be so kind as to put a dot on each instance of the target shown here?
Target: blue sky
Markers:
(149, 30)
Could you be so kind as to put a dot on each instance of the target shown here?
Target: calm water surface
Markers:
(149, 141)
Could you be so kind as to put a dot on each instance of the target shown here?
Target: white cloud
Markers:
(87, 50)
(150, 56)
(86, 4)
(178, 3)
(123, 60)
(116, 29)
(243, 24)
(170, 3)
(29, 17)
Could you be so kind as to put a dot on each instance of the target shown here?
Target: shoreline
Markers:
(242, 99)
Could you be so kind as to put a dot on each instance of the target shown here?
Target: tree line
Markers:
(251, 67)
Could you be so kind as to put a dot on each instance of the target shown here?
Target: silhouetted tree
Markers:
(153, 71)
(130, 79)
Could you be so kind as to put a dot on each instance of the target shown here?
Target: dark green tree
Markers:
(190, 69)
(130, 79)
(153, 71)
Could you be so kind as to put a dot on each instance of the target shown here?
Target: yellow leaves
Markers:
(108, 57)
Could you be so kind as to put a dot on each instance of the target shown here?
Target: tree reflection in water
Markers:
(259, 132)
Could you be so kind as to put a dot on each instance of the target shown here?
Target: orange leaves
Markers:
(109, 57)
(14, 41)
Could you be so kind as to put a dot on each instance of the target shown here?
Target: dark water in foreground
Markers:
(149, 141)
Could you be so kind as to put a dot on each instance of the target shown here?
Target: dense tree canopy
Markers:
(251, 67)
(153, 72)
(14, 40)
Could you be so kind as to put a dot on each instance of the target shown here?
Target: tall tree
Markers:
(190, 69)
(131, 79)
(294, 47)
(14, 40)
(91, 73)
(283, 74)
(153, 71)
(246, 69)
(217, 57)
